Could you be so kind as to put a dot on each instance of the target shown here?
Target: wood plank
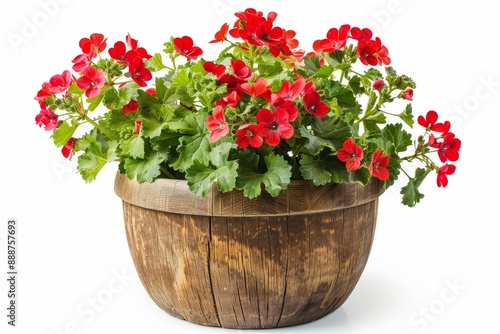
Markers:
(171, 255)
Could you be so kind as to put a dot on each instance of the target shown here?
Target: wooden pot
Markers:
(227, 261)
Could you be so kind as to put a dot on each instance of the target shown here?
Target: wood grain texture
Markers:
(256, 271)
(300, 197)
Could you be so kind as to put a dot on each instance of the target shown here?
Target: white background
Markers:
(433, 268)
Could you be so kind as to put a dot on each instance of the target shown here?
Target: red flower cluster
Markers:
(352, 154)
(446, 145)
(272, 123)
(92, 79)
(370, 51)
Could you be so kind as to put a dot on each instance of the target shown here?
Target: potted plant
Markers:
(250, 182)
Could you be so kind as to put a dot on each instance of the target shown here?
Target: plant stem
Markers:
(95, 125)
(167, 172)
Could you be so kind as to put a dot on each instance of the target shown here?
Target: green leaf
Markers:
(361, 175)
(328, 132)
(355, 85)
(336, 57)
(315, 170)
(144, 170)
(311, 64)
(394, 138)
(324, 72)
(407, 116)
(411, 195)
(117, 98)
(322, 170)
(194, 145)
(136, 147)
(221, 171)
(64, 132)
(151, 127)
(200, 177)
(156, 62)
(274, 179)
(181, 79)
(97, 152)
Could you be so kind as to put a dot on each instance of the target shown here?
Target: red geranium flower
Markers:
(81, 62)
(44, 92)
(381, 53)
(60, 82)
(130, 107)
(351, 154)
(217, 124)
(95, 44)
(91, 81)
(248, 135)
(291, 42)
(118, 52)
(47, 118)
(135, 50)
(314, 105)
(274, 125)
(430, 120)
(366, 52)
(220, 36)
(217, 70)
(289, 92)
(361, 34)
(449, 148)
(138, 71)
(184, 46)
(257, 88)
(230, 100)
(335, 39)
(378, 165)
(67, 150)
(442, 179)
(240, 70)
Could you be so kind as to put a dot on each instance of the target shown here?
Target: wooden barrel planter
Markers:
(227, 261)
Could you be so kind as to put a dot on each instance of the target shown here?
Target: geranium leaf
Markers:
(394, 139)
(136, 147)
(97, 153)
(200, 177)
(329, 132)
(274, 179)
(322, 170)
(315, 170)
(144, 170)
(361, 175)
(64, 132)
(117, 98)
(407, 115)
(156, 62)
(411, 195)
(194, 145)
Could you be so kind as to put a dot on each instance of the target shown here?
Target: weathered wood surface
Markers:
(252, 272)
(301, 197)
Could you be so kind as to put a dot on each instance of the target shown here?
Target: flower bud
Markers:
(378, 84)
(407, 94)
